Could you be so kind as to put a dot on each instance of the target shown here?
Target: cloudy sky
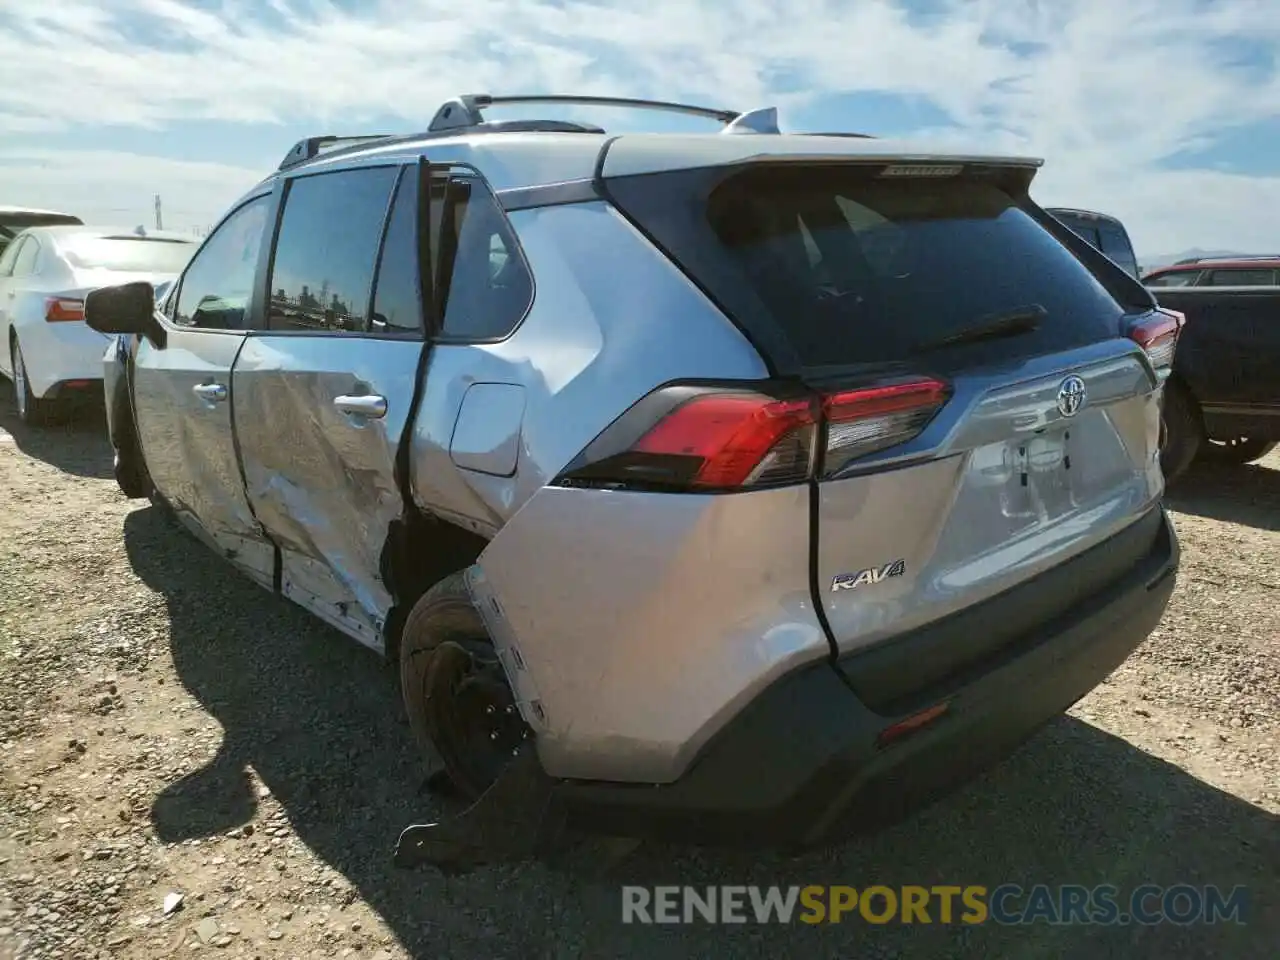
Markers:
(1165, 113)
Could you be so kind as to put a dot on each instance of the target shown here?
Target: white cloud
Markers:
(111, 187)
(1105, 91)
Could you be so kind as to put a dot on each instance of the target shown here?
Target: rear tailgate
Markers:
(953, 469)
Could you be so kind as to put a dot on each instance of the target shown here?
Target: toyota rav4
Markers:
(750, 482)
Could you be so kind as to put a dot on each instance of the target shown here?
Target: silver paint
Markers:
(661, 616)
(486, 435)
(583, 355)
(188, 445)
(958, 510)
(320, 468)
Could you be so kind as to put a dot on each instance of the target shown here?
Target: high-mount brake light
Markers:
(61, 309)
(732, 440)
(1158, 336)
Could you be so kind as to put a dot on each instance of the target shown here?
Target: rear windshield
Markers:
(129, 254)
(860, 268)
(13, 222)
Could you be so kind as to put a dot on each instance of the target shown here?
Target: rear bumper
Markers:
(801, 764)
(56, 353)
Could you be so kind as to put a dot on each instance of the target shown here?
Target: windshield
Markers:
(129, 254)
(866, 269)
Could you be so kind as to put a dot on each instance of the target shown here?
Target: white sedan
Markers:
(45, 347)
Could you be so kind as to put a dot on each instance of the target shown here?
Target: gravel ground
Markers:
(168, 728)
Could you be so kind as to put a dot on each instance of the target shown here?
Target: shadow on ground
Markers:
(1248, 494)
(318, 719)
(76, 443)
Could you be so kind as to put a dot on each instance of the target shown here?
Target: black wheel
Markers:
(32, 410)
(1239, 451)
(455, 691)
(1181, 431)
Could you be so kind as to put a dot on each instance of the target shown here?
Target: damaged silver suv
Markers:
(747, 484)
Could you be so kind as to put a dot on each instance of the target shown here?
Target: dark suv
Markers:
(1222, 401)
(1103, 232)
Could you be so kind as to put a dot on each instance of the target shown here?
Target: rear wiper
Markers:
(1007, 324)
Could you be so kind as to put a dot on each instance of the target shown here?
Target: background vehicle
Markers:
(47, 351)
(846, 455)
(1223, 399)
(13, 220)
(1108, 235)
(1227, 272)
(1103, 232)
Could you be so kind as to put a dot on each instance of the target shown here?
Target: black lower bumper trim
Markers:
(801, 763)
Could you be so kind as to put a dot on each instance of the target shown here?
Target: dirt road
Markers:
(167, 727)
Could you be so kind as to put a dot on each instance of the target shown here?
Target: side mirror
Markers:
(126, 308)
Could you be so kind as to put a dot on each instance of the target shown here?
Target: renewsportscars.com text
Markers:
(1008, 904)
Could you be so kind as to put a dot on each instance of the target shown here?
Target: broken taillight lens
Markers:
(727, 439)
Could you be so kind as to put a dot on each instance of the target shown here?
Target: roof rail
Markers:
(1228, 258)
(464, 112)
(312, 147)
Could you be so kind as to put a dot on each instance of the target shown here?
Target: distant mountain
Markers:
(1150, 263)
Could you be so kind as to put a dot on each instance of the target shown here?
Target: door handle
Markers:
(211, 392)
(366, 405)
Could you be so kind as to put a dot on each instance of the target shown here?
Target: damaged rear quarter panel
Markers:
(611, 320)
(644, 621)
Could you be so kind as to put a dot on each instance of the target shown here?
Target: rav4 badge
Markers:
(851, 581)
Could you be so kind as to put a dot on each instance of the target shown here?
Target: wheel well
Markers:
(1177, 381)
(123, 433)
(421, 550)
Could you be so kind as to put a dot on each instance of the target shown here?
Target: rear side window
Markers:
(1115, 244)
(859, 268)
(9, 256)
(486, 287)
(1084, 229)
(1178, 278)
(1241, 278)
(24, 264)
(322, 271)
(128, 254)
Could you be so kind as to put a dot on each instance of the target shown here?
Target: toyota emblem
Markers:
(1071, 396)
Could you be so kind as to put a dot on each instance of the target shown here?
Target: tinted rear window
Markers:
(1086, 230)
(859, 268)
(12, 222)
(128, 255)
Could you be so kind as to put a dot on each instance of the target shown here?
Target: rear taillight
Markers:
(58, 309)
(865, 421)
(1158, 336)
(709, 438)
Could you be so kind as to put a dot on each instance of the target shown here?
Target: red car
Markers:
(1213, 272)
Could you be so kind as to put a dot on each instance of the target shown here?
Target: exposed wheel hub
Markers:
(479, 725)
